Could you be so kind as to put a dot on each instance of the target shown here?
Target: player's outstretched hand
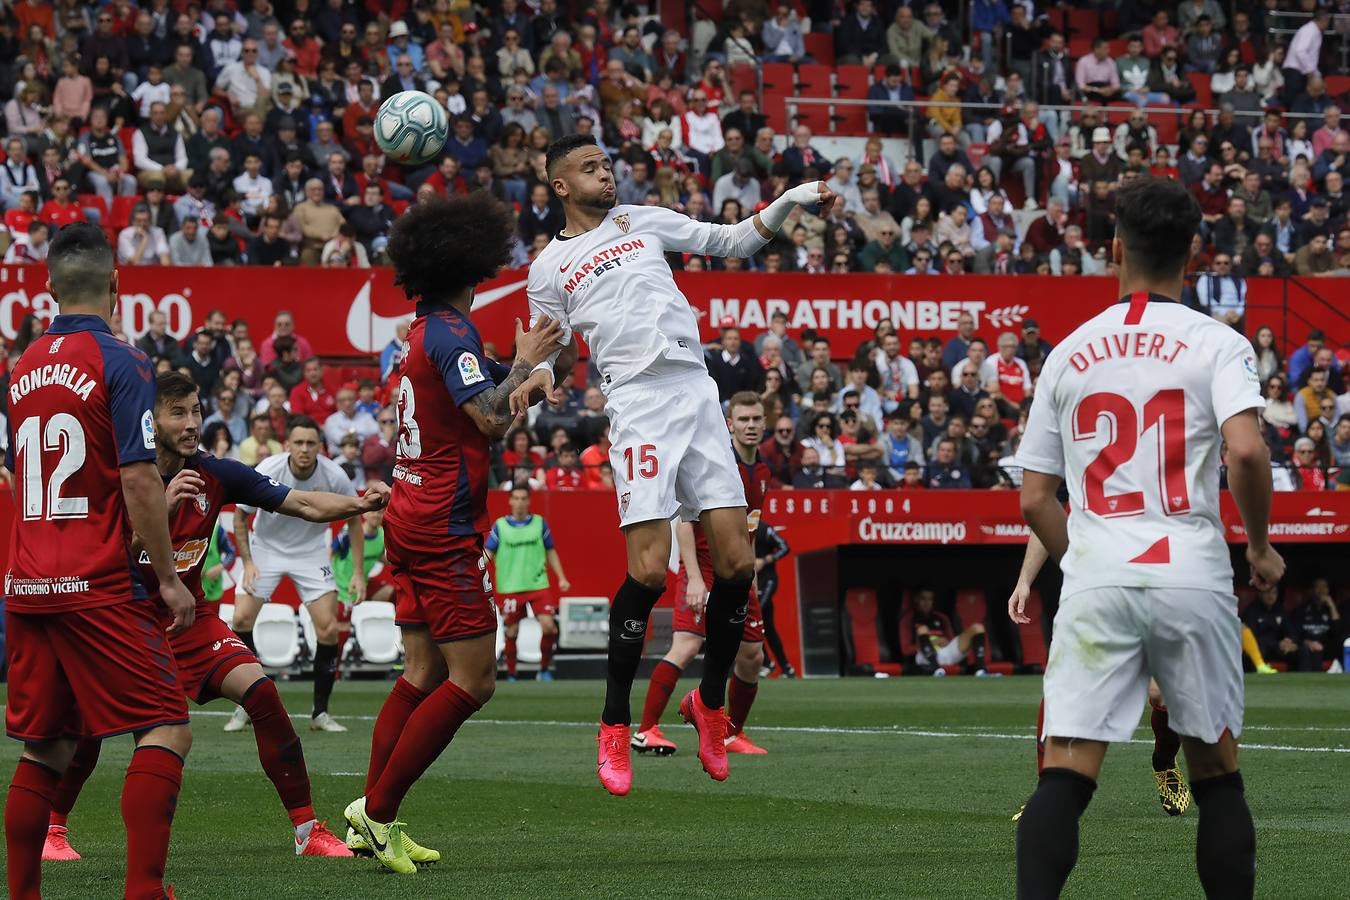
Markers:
(375, 496)
(186, 485)
(539, 386)
(250, 576)
(544, 337)
(696, 597)
(179, 601)
(1017, 604)
(827, 200)
(1267, 567)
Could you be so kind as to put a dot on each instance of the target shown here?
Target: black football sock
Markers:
(1225, 840)
(325, 673)
(627, 634)
(1047, 833)
(723, 623)
(1166, 742)
(247, 638)
(978, 646)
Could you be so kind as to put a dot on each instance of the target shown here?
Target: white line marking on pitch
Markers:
(893, 731)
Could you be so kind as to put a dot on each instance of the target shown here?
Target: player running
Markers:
(745, 418)
(283, 546)
(452, 401)
(605, 275)
(519, 545)
(1130, 412)
(87, 653)
(212, 662)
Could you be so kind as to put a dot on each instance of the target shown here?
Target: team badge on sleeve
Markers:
(148, 430)
(469, 371)
(1249, 364)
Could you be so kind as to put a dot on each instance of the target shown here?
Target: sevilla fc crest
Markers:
(623, 222)
(203, 504)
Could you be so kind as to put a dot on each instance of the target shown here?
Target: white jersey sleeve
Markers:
(1236, 385)
(1042, 446)
(681, 234)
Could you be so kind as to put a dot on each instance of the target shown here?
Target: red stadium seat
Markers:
(861, 606)
(971, 610)
(1084, 22)
(778, 83)
(96, 202)
(121, 211)
(1337, 84)
(777, 77)
(819, 45)
(744, 77)
(1080, 46)
(814, 80)
(1203, 97)
(815, 116)
(850, 120)
(1033, 633)
(850, 82)
(1168, 125)
(399, 206)
(125, 135)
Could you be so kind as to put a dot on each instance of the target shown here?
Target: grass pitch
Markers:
(902, 788)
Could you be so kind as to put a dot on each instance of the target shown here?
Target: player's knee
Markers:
(749, 660)
(244, 619)
(548, 625)
(177, 738)
(736, 564)
(921, 629)
(54, 755)
(650, 573)
(326, 632)
(512, 631)
(977, 628)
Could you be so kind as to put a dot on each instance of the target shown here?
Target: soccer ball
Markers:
(411, 127)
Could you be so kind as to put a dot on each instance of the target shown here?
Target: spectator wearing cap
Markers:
(288, 105)
(739, 185)
(401, 44)
(1032, 347)
(731, 364)
(888, 119)
(1102, 163)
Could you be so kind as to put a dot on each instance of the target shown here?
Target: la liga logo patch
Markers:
(148, 430)
(469, 370)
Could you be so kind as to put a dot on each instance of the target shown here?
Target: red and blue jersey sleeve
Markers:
(243, 485)
(452, 344)
(548, 537)
(498, 372)
(494, 539)
(130, 383)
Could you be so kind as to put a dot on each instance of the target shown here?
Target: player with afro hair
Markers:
(441, 247)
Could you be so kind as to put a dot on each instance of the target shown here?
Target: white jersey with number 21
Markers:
(1128, 411)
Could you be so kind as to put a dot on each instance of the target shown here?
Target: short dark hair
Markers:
(564, 147)
(444, 246)
(1155, 220)
(173, 385)
(79, 262)
(283, 344)
(525, 488)
(295, 422)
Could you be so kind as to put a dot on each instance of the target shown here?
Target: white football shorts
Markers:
(312, 576)
(670, 448)
(949, 654)
(1109, 641)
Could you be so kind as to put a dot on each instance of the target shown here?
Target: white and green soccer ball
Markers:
(411, 127)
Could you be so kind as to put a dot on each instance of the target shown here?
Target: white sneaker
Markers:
(324, 722)
(983, 673)
(239, 721)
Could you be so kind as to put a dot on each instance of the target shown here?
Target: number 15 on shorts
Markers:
(643, 463)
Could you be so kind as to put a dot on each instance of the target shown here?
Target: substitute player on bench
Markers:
(605, 276)
(210, 660)
(452, 402)
(1130, 412)
(87, 653)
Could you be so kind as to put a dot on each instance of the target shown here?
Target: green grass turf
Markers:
(905, 790)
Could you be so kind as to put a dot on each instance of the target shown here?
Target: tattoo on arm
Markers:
(493, 404)
(241, 536)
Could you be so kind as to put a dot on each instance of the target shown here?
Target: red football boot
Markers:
(321, 842)
(612, 759)
(737, 742)
(711, 725)
(57, 846)
(654, 741)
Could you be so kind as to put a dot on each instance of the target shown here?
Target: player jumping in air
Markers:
(745, 417)
(605, 276)
(452, 402)
(519, 545)
(87, 653)
(284, 546)
(1130, 412)
(211, 661)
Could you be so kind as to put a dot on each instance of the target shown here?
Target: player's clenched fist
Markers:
(375, 496)
(186, 485)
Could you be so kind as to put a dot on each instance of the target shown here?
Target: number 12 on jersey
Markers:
(62, 432)
(1166, 410)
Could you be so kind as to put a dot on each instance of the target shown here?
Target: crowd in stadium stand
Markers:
(225, 133)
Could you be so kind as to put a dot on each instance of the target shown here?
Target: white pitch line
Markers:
(896, 731)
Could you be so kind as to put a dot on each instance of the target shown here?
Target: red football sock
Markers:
(428, 733)
(740, 697)
(149, 798)
(401, 703)
(546, 643)
(511, 657)
(72, 781)
(1040, 739)
(664, 678)
(279, 750)
(27, 809)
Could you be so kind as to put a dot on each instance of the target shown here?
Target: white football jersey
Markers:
(283, 536)
(1128, 411)
(613, 286)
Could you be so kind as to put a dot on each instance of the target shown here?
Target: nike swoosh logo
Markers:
(370, 332)
(379, 847)
(565, 266)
